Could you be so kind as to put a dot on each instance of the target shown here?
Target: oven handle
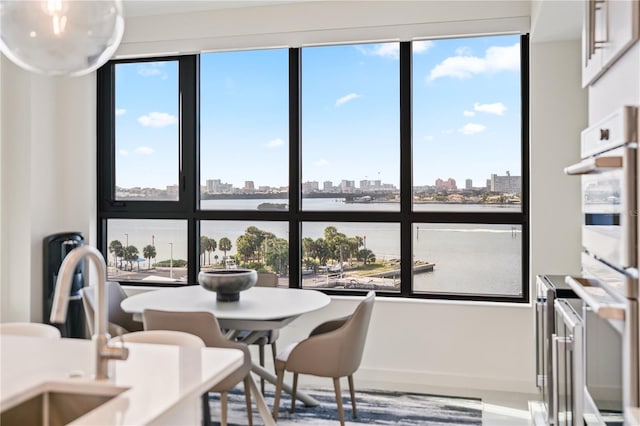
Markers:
(605, 306)
(558, 341)
(594, 165)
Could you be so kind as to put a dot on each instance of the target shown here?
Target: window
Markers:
(400, 167)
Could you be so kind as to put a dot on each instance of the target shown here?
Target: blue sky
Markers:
(466, 121)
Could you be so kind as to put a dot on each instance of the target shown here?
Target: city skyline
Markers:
(356, 184)
(466, 114)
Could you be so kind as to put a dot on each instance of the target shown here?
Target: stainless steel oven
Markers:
(608, 170)
(608, 285)
(611, 360)
(549, 288)
(567, 364)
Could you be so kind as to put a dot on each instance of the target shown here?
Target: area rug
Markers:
(374, 408)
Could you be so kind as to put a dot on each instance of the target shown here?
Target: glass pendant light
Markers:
(60, 37)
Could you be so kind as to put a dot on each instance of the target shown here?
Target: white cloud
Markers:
(496, 58)
(392, 50)
(145, 150)
(123, 152)
(422, 46)
(273, 143)
(468, 113)
(384, 50)
(157, 119)
(428, 137)
(152, 69)
(472, 129)
(321, 163)
(343, 100)
(120, 111)
(497, 108)
(463, 51)
(447, 131)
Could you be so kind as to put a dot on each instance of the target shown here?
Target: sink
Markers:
(55, 407)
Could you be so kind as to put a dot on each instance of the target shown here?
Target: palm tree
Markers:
(204, 243)
(211, 247)
(131, 255)
(366, 256)
(116, 248)
(149, 252)
(225, 245)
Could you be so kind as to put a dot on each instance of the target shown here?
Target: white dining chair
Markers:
(167, 337)
(120, 322)
(206, 326)
(267, 337)
(162, 337)
(29, 329)
(333, 349)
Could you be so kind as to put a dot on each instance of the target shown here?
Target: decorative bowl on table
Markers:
(228, 283)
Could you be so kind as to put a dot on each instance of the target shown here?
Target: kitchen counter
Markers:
(157, 384)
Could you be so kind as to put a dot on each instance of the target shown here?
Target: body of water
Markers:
(468, 257)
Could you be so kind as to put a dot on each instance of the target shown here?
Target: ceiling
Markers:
(134, 8)
(550, 20)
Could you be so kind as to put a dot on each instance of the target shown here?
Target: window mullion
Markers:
(406, 249)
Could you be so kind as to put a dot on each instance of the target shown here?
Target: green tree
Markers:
(320, 251)
(250, 245)
(307, 247)
(366, 256)
(225, 245)
(149, 252)
(131, 255)
(354, 244)
(205, 243)
(211, 248)
(277, 255)
(117, 250)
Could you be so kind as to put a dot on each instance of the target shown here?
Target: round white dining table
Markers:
(259, 308)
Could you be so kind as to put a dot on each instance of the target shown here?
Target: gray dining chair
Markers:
(206, 326)
(333, 349)
(120, 322)
(267, 337)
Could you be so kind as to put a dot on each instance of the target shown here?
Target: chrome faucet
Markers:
(100, 337)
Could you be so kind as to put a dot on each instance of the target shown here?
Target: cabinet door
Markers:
(622, 28)
(610, 28)
(593, 38)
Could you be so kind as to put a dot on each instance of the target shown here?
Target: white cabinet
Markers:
(610, 28)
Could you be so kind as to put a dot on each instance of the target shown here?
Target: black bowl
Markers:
(228, 283)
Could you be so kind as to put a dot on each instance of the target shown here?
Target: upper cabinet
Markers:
(610, 28)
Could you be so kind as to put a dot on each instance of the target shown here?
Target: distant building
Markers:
(449, 184)
(172, 190)
(311, 186)
(248, 185)
(468, 184)
(365, 184)
(506, 184)
(348, 185)
(216, 186)
(327, 186)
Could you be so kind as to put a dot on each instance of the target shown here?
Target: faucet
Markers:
(100, 337)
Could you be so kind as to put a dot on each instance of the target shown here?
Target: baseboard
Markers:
(421, 381)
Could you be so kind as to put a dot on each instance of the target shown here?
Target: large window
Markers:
(400, 167)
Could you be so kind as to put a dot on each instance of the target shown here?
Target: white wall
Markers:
(48, 185)
(48, 178)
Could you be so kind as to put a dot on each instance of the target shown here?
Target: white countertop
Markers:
(155, 378)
